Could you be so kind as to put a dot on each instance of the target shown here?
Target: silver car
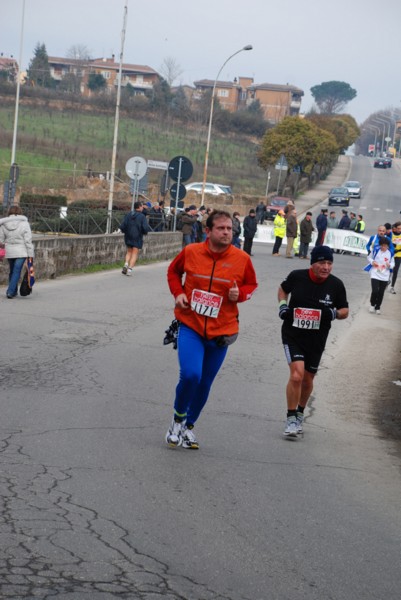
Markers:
(210, 188)
(354, 189)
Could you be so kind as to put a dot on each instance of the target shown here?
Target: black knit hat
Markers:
(321, 253)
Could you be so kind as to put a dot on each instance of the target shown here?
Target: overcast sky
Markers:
(301, 43)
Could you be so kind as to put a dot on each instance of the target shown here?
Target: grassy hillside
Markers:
(54, 145)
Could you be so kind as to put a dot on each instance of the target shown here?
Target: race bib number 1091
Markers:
(307, 318)
(206, 303)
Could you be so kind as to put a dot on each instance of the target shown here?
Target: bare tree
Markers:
(170, 70)
(78, 52)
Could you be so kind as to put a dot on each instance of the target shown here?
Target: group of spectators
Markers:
(350, 222)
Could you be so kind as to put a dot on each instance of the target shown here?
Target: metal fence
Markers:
(81, 221)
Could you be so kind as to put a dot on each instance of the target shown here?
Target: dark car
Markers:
(388, 161)
(278, 203)
(339, 197)
(380, 163)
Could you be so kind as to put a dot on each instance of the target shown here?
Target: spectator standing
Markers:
(250, 226)
(396, 241)
(306, 230)
(156, 217)
(360, 225)
(321, 226)
(291, 231)
(332, 221)
(316, 299)
(260, 213)
(188, 219)
(16, 236)
(353, 221)
(344, 221)
(207, 281)
(134, 227)
(202, 217)
(381, 262)
(279, 231)
(236, 230)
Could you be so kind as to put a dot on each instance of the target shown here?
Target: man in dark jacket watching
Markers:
(321, 226)
(188, 219)
(250, 226)
(134, 227)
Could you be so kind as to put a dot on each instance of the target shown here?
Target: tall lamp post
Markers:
(14, 144)
(248, 47)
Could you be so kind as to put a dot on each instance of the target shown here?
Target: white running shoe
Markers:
(174, 434)
(371, 309)
(129, 271)
(189, 440)
(378, 312)
(392, 290)
(292, 429)
(300, 422)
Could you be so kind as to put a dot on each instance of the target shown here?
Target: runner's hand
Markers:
(181, 301)
(284, 312)
(233, 292)
(329, 314)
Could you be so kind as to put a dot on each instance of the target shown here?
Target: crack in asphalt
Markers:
(48, 541)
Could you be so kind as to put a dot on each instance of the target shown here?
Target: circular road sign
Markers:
(136, 167)
(182, 192)
(180, 166)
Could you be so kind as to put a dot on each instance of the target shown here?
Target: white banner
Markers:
(338, 239)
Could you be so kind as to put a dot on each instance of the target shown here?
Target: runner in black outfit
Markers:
(317, 298)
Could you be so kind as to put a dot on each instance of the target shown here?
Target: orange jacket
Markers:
(211, 272)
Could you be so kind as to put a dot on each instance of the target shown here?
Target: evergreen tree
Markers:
(39, 69)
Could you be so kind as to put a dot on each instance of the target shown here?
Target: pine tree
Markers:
(39, 69)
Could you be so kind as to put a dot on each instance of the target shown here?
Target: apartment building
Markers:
(140, 77)
(277, 101)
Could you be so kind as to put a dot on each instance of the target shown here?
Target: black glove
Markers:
(284, 312)
(329, 314)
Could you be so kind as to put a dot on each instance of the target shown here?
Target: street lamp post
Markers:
(14, 144)
(248, 47)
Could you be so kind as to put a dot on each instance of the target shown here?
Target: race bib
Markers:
(206, 303)
(307, 318)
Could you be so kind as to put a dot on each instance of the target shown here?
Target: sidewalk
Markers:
(319, 192)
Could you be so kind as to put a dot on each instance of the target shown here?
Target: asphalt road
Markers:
(96, 506)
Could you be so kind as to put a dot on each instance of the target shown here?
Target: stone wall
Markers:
(58, 255)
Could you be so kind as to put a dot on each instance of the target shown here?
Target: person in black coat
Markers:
(321, 226)
(250, 226)
(134, 227)
(345, 221)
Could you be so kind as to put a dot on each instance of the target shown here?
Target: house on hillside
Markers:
(277, 101)
(140, 77)
(8, 68)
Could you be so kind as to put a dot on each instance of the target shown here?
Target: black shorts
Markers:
(308, 353)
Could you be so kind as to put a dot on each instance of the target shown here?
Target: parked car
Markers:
(339, 197)
(210, 188)
(278, 203)
(354, 189)
(380, 163)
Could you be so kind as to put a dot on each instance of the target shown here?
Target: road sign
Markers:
(180, 168)
(282, 164)
(157, 164)
(178, 191)
(387, 139)
(136, 167)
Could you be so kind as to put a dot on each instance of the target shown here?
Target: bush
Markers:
(28, 199)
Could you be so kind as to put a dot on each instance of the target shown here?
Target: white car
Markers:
(354, 189)
(210, 188)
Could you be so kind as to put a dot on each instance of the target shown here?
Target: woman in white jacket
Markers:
(16, 235)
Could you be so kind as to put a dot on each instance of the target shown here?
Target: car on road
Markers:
(388, 160)
(339, 196)
(354, 189)
(380, 163)
(278, 203)
(210, 188)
